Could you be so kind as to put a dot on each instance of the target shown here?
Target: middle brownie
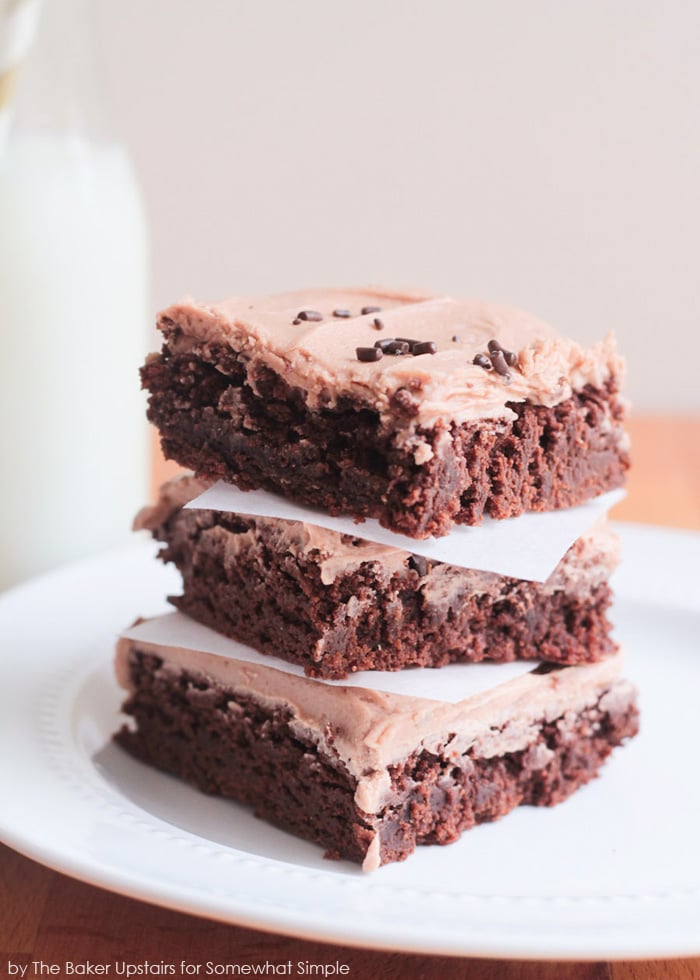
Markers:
(336, 603)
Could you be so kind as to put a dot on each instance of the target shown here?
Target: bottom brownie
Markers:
(360, 772)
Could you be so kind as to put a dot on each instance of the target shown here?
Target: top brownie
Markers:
(422, 411)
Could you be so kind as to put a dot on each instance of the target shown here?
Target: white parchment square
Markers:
(451, 684)
(526, 547)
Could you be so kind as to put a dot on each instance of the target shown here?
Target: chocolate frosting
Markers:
(319, 357)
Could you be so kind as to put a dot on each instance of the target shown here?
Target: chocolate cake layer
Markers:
(336, 604)
(250, 392)
(369, 776)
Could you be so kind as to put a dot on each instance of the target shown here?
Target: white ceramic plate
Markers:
(613, 872)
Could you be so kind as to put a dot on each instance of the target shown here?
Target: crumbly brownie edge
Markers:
(438, 800)
(258, 433)
(277, 603)
(228, 745)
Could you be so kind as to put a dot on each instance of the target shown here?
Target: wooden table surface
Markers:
(45, 916)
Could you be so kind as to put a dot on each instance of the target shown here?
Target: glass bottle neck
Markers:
(59, 87)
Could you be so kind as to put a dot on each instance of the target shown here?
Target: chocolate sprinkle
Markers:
(377, 323)
(343, 314)
(455, 339)
(501, 359)
(296, 321)
(407, 340)
(499, 362)
(418, 563)
(390, 345)
(310, 315)
(397, 348)
(369, 353)
(482, 361)
(371, 309)
(425, 347)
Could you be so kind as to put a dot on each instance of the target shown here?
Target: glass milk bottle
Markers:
(73, 310)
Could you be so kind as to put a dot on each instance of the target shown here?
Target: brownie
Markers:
(464, 409)
(369, 775)
(336, 604)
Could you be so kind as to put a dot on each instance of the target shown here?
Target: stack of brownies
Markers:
(293, 677)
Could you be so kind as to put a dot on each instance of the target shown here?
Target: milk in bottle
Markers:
(73, 312)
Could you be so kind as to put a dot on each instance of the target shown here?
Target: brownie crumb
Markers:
(403, 399)
(419, 564)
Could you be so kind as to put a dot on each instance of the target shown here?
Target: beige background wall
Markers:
(544, 154)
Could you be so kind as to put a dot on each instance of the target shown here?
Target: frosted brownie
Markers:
(418, 410)
(366, 774)
(336, 604)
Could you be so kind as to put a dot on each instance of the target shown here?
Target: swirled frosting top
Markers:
(318, 354)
